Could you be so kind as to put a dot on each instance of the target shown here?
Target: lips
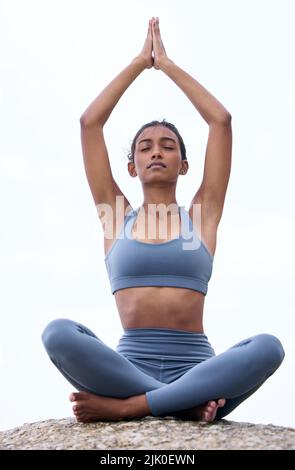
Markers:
(157, 164)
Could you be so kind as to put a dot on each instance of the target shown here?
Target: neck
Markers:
(161, 195)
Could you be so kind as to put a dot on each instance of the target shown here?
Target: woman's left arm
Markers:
(208, 106)
(212, 191)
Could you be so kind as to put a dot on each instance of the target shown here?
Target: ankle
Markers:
(137, 407)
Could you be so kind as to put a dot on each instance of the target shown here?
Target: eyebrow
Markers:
(161, 138)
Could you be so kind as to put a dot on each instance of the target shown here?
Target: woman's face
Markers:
(157, 144)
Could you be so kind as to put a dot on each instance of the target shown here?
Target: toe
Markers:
(209, 412)
(221, 402)
(209, 409)
(73, 396)
(212, 404)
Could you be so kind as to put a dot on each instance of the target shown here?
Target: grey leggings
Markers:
(175, 369)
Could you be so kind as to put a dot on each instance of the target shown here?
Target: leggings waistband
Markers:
(158, 331)
(165, 342)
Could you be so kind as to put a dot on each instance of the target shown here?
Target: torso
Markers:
(163, 307)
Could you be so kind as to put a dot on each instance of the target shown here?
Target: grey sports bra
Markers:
(181, 262)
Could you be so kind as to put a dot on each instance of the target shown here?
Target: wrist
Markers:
(163, 62)
(140, 62)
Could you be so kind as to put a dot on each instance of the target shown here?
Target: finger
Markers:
(149, 33)
(156, 34)
(156, 26)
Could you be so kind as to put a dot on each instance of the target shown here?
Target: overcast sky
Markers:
(56, 57)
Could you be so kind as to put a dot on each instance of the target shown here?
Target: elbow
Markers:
(86, 122)
(83, 121)
(225, 119)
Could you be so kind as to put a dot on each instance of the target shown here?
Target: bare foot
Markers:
(88, 407)
(205, 412)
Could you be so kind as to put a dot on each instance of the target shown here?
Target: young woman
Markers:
(163, 364)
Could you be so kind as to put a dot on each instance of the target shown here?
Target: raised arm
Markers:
(212, 191)
(100, 109)
(96, 161)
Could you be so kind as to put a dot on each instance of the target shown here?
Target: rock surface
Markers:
(147, 433)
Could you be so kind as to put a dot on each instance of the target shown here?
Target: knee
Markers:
(55, 333)
(271, 350)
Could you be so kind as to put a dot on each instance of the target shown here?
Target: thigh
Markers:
(172, 369)
(90, 364)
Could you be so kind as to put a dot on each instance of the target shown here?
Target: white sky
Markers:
(56, 57)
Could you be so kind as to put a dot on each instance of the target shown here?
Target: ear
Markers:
(131, 169)
(184, 167)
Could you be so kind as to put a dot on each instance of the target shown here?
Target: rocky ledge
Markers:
(147, 433)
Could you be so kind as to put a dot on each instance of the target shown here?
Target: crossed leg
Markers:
(110, 381)
(234, 374)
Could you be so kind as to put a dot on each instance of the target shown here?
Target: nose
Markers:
(156, 152)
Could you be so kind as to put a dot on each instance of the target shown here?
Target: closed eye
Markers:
(167, 148)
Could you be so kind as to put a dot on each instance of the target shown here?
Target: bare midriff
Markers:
(160, 307)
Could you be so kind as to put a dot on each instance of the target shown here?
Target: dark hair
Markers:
(153, 124)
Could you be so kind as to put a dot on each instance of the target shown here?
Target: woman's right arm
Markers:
(100, 109)
(96, 161)
(103, 187)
